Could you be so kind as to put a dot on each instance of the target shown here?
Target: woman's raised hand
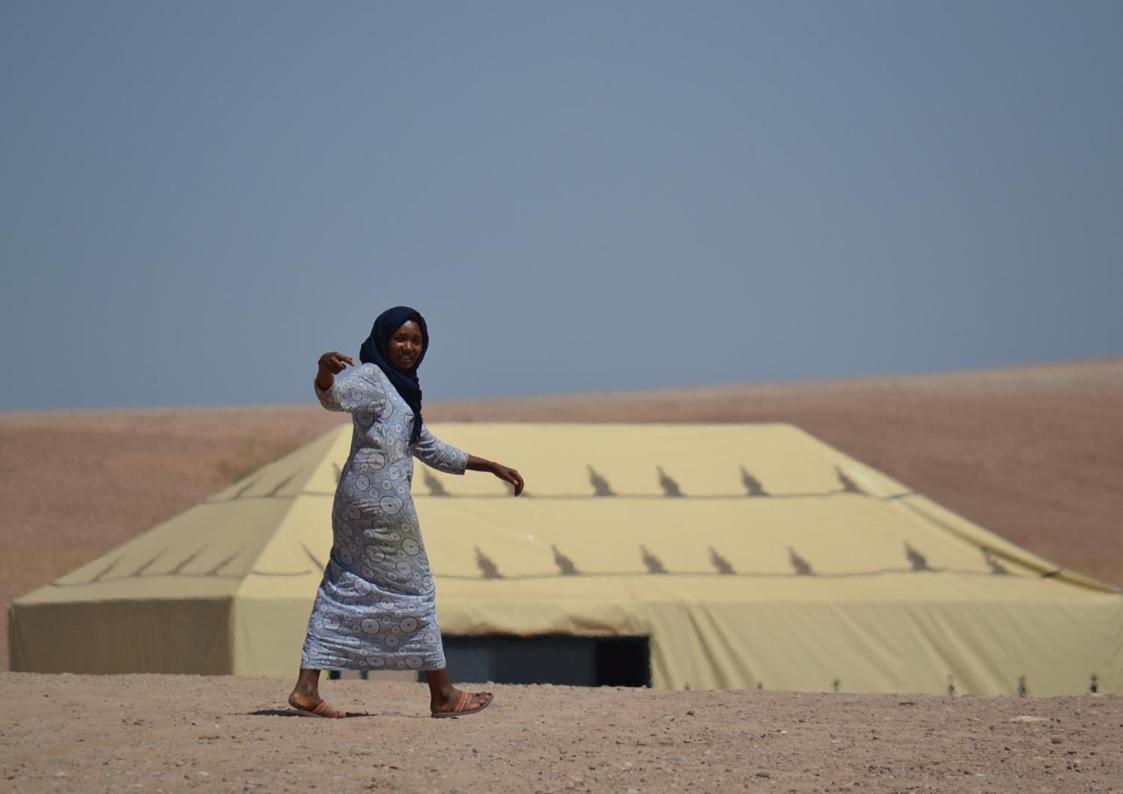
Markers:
(330, 365)
(335, 362)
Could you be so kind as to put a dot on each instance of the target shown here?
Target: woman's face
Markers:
(405, 346)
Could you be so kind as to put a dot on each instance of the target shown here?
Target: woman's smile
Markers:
(405, 345)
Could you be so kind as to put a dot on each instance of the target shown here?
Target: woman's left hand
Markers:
(508, 475)
(505, 473)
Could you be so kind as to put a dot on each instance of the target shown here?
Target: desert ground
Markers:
(167, 733)
(1034, 454)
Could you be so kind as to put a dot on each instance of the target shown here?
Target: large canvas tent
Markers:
(748, 556)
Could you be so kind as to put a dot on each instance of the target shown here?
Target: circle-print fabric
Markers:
(390, 504)
(375, 607)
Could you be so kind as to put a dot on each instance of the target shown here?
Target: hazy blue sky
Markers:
(199, 198)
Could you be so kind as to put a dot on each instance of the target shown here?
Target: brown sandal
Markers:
(323, 710)
(461, 708)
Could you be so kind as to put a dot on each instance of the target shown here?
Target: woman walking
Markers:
(375, 608)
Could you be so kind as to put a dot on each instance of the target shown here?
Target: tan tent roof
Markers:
(751, 555)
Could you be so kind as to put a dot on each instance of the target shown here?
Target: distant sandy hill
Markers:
(1035, 454)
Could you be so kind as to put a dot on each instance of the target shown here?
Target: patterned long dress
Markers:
(375, 608)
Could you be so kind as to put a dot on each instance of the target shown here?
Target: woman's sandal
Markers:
(323, 710)
(461, 708)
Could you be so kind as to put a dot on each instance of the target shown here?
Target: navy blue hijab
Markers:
(375, 351)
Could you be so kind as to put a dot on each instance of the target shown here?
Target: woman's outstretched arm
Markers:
(433, 452)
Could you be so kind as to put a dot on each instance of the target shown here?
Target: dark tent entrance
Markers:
(550, 659)
(558, 659)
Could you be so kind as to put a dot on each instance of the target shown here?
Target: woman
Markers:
(375, 608)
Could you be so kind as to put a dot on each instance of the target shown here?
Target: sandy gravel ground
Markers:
(1034, 454)
(179, 733)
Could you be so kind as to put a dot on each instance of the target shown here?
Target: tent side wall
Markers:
(982, 649)
(127, 636)
(703, 638)
(268, 634)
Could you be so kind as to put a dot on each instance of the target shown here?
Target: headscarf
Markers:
(375, 351)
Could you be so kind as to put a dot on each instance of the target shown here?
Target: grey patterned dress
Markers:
(375, 608)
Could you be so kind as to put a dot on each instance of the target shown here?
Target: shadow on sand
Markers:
(291, 713)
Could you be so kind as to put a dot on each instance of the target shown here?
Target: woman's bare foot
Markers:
(447, 700)
(306, 699)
